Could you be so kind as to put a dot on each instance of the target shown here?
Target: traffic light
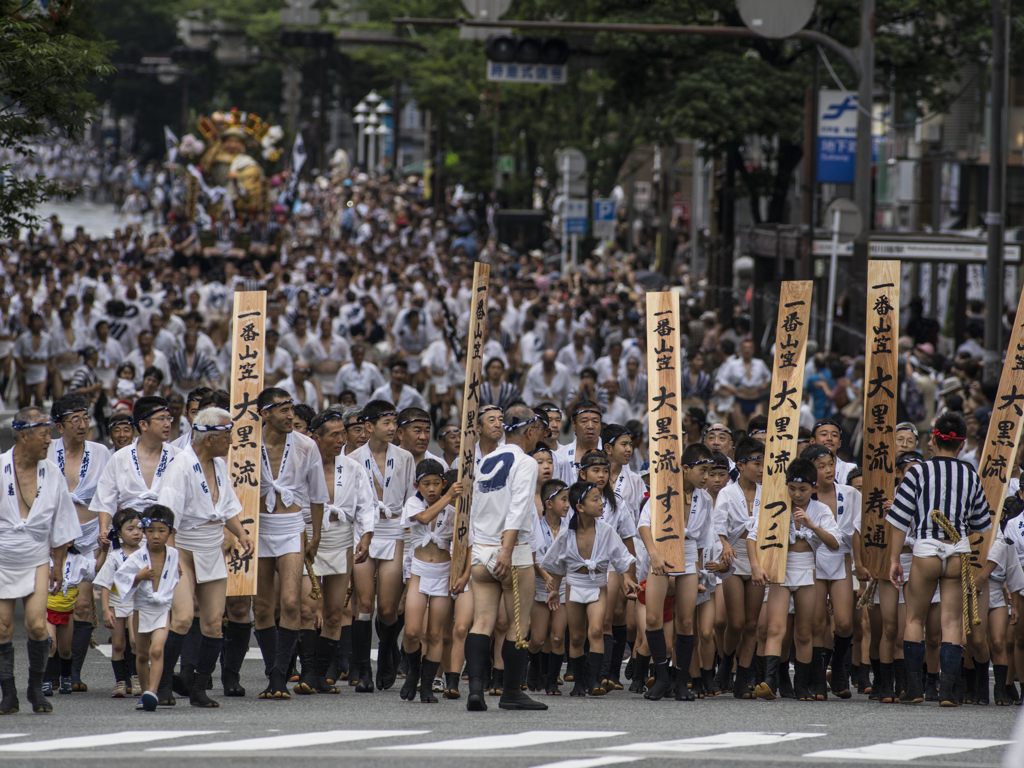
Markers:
(527, 50)
(306, 38)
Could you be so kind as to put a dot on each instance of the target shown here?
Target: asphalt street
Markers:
(377, 730)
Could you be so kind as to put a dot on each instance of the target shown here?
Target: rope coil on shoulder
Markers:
(520, 642)
(970, 589)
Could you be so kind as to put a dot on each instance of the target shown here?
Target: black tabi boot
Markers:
(9, 701)
(707, 677)
(326, 653)
(428, 673)
(913, 658)
(999, 692)
(741, 688)
(931, 686)
(950, 658)
(172, 650)
(344, 657)
(236, 645)
(802, 681)
(769, 689)
(387, 672)
(630, 666)
(478, 648)
(659, 662)
(724, 673)
(497, 682)
(684, 655)
(981, 683)
(785, 684)
(886, 692)
(759, 670)
(618, 649)
(600, 674)
(840, 679)
(554, 667)
(863, 679)
(181, 683)
(266, 639)
(362, 636)
(970, 679)
(451, 685)
(533, 673)
(876, 666)
(595, 686)
(206, 662)
(38, 652)
(307, 655)
(515, 664)
(81, 638)
(287, 640)
(818, 669)
(899, 676)
(412, 679)
(578, 669)
(641, 666)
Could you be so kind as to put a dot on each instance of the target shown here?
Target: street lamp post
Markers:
(372, 121)
(360, 121)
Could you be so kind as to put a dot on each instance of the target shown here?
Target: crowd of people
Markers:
(124, 342)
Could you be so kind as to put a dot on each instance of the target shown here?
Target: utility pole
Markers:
(862, 171)
(996, 188)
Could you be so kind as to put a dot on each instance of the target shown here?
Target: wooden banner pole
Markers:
(881, 373)
(665, 446)
(1003, 437)
(470, 410)
(783, 426)
(247, 350)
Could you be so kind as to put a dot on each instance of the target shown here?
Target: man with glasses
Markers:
(198, 489)
(133, 478)
(33, 487)
(82, 463)
(292, 477)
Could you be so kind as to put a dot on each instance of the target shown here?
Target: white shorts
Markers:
(540, 591)
(151, 616)
(281, 533)
(707, 580)
(487, 556)
(204, 543)
(799, 570)
(996, 598)
(741, 564)
(831, 566)
(585, 587)
(434, 577)
(122, 610)
(335, 544)
(386, 533)
(89, 541)
(17, 582)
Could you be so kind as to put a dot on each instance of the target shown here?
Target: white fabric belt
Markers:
(281, 524)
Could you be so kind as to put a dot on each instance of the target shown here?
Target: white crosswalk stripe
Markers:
(909, 749)
(718, 741)
(508, 740)
(591, 762)
(286, 741)
(100, 740)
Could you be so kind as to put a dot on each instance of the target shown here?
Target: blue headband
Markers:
(17, 426)
(213, 428)
(378, 416)
(514, 425)
(289, 401)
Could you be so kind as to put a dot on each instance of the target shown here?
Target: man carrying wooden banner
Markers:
(880, 393)
(244, 461)
(470, 410)
(679, 510)
(789, 522)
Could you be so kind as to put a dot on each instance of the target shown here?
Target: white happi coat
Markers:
(25, 543)
(94, 461)
(121, 485)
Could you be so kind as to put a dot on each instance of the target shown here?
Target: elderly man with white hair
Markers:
(197, 488)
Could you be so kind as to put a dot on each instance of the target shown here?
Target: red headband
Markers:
(950, 436)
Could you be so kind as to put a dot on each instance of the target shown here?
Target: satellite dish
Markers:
(774, 19)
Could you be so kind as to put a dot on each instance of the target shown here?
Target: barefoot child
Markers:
(148, 578)
(125, 537)
(584, 553)
(428, 602)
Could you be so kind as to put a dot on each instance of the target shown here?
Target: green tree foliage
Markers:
(45, 68)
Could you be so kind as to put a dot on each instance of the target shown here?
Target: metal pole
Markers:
(833, 267)
(862, 171)
(565, 214)
(996, 188)
(371, 161)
